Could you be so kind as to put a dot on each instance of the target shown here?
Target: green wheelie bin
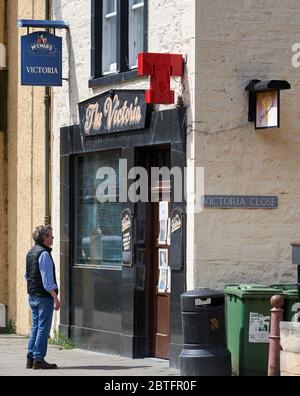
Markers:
(290, 292)
(248, 327)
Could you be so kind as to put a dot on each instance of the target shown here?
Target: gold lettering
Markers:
(108, 112)
(118, 116)
(93, 118)
(110, 109)
(115, 111)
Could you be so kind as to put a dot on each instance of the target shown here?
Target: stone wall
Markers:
(25, 153)
(3, 222)
(237, 41)
(171, 28)
(225, 44)
(290, 354)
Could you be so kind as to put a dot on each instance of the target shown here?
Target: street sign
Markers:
(41, 59)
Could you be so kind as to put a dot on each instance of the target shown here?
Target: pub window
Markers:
(97, 225)
(109, 36)
(118, 36)
(136, 31)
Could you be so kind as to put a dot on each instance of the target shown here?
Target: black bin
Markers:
(205, 352)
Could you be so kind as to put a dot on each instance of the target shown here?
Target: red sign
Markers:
(160, 68)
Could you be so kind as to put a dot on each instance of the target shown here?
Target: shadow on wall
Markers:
(73, 84)
(72, 76)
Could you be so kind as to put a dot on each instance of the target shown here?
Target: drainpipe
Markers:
(47, 102)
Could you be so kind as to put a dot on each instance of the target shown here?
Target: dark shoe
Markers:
(43, 365)
(29, 363)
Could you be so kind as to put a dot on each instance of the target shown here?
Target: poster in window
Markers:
(163, 210)
(267, 110)
(163, 280)
(126, 228)
(163, 232)
(169, 233)
(163, 258)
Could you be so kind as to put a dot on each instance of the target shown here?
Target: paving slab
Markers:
(76, 362)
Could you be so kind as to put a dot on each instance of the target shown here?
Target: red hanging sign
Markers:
(160, 68)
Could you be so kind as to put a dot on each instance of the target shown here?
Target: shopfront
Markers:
(122, 269)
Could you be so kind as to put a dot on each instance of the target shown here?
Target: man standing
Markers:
(42, 289)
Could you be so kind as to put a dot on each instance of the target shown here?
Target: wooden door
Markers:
(161, 287)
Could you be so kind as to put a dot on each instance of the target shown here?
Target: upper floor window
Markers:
(109, 36)
(136, 31)
(118, 36)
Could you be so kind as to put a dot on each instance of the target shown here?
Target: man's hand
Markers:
(57, 304)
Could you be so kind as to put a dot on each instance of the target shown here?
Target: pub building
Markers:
(121, 277)
(124, 264)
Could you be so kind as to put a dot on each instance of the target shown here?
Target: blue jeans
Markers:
(42, 313)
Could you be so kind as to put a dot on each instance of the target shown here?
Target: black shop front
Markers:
(122, 260)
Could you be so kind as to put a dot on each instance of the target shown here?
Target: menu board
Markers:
(177, 240)
(126, 229)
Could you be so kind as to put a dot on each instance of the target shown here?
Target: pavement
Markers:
(76, 362)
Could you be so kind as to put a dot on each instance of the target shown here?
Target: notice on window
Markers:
(259, 328)
(126, 227)
(163, 232)
(163, 211)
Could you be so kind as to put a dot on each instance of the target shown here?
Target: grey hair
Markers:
(41, 233)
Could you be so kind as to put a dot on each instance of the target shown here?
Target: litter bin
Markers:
(203, 318)
(290, 292)
(248, 327)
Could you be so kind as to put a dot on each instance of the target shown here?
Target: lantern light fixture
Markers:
(264, 102)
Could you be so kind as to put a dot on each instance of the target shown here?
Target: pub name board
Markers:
(240, 202)
(41, 59)
(113, 111)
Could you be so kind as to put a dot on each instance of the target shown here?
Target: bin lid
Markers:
(290, 290)
(203, 293)
(200, 299)
(251, 290)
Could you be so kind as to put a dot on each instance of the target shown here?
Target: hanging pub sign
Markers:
(41, 59)
(126, 230)
(113, 111)
(177, 230)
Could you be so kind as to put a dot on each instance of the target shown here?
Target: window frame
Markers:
(123, 72)
(75, 209)
(109, 17)
(131, 9)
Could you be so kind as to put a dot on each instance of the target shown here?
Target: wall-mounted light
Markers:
(264, 102)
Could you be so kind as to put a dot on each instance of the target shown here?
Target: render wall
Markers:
(171, 27)
(236, 41)
(25, 163)
(3, 262)
(290, 350)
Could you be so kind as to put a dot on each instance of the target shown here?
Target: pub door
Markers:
(158, 299)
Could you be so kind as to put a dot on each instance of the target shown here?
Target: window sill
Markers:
(113, 78)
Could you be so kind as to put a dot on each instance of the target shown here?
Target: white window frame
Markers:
(106, 17)
(131, 32)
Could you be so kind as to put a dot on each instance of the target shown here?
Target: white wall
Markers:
(171, 29)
